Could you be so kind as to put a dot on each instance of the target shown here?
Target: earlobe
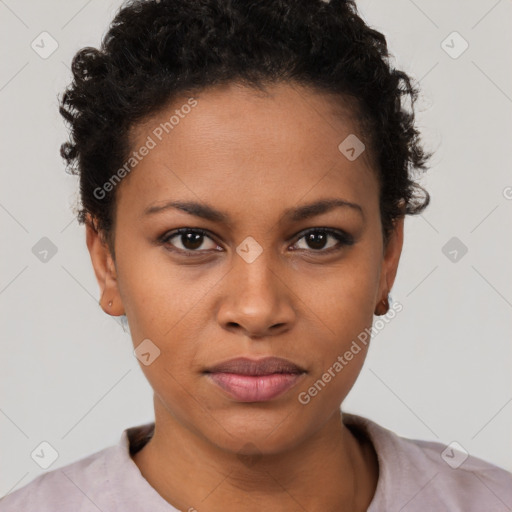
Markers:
(104, 270)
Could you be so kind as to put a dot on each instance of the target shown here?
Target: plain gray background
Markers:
(439, 371)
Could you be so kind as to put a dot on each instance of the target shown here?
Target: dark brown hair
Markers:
(156, 50)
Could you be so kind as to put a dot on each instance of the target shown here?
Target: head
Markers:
(231, 129)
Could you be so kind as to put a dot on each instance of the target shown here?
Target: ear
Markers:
(392, 252)
(104, 269)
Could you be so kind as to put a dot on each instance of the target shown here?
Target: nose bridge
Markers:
(256, 277)
(254, 272)
(255, 254)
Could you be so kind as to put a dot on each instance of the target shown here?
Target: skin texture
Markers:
(253, 156)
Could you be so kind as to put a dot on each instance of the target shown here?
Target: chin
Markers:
(261, 433)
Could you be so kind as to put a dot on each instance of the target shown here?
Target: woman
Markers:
(245, 171)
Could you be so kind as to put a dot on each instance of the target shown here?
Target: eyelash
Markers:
(343, 238)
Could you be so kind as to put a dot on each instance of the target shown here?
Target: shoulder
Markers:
(106, 480)
(447, 476)
(79, 486)
(416, 475)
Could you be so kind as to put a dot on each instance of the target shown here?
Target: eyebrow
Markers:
(296, 214)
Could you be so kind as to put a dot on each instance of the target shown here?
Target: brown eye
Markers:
(318, 240)
(189, 240)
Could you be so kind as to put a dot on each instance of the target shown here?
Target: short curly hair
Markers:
(157, 50)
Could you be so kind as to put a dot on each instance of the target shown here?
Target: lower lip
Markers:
(251, 388)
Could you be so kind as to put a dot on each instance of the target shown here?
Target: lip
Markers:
(256, 367)
(250, 380)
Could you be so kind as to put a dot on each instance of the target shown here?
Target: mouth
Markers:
(249, 380)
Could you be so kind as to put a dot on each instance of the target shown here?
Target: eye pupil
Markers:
(315, 237)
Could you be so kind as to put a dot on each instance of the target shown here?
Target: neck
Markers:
(330, 471)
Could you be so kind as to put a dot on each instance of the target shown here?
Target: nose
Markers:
(257, 301)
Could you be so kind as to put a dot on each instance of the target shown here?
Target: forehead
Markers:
(240, 146)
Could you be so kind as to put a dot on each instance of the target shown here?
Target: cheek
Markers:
(165, 304)
(342, 303)
(338, 349)
(159, 295)
(343, 297)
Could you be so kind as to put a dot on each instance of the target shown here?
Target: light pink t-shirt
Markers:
(414, 476)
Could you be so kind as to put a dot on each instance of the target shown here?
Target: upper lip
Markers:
(247, 366)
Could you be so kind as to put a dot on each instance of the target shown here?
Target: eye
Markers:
(192, 240)
(317, 240)
(189, 239)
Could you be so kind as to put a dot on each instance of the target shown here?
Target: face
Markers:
(264, 276)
